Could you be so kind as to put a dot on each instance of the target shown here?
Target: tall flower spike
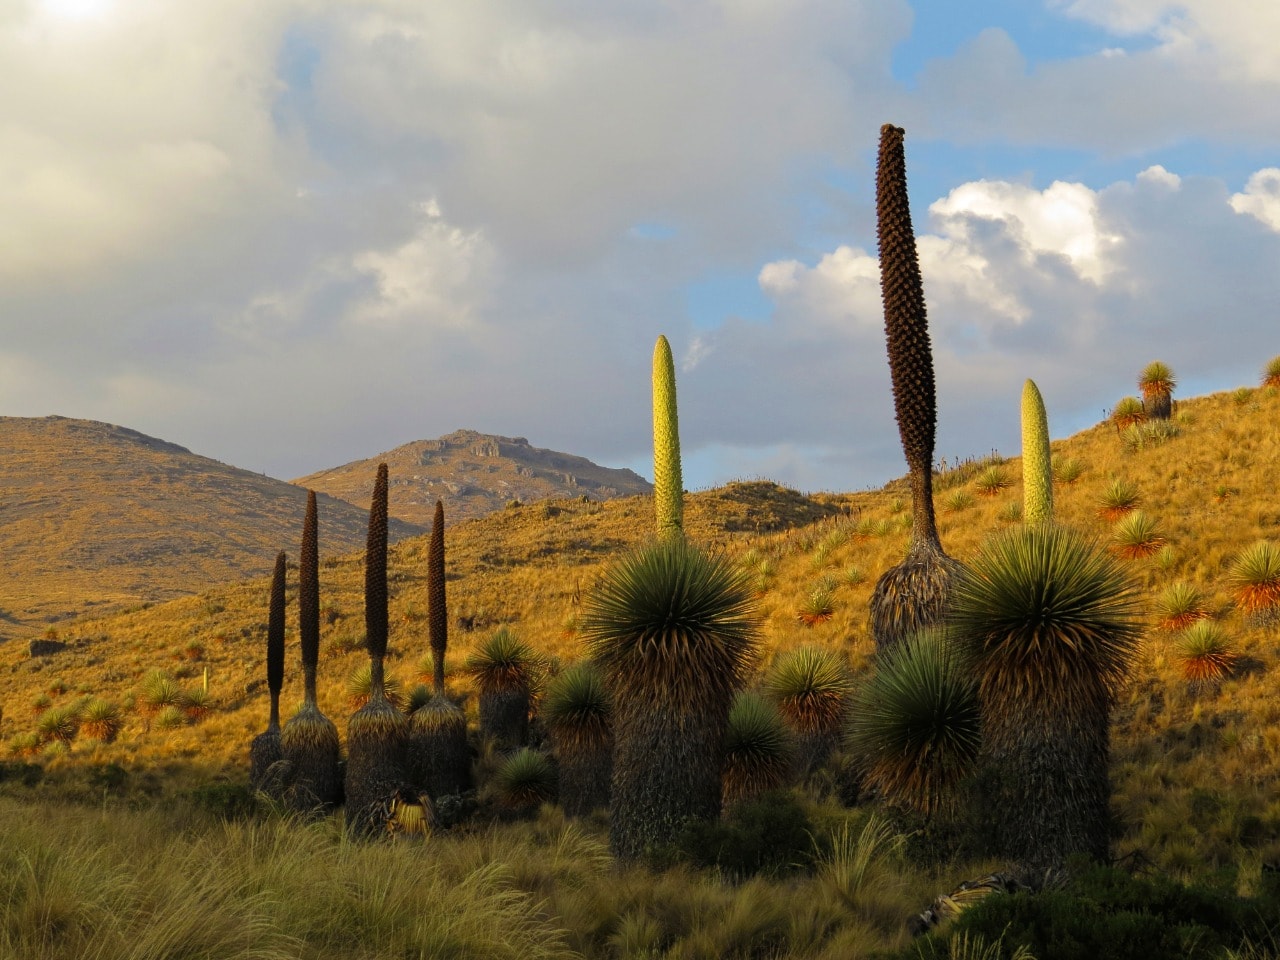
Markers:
(437, 611)
(668, 486)
(1037, 471)
(309, 598)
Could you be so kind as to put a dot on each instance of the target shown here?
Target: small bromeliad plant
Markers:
(811, 688)
(1271, 374)
(1255, 579)
(1128, 412)
(1136, 536)
(579, 713)
(1204, 650)
(992, 481)
(758, 755)
(1119, 497)
(916, 727)
(1179, 605)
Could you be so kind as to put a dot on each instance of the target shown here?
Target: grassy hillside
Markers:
(1196, 770)
(475, 474)
(97, 515)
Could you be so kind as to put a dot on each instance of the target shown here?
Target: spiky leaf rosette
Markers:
(906, 327)
(916, 727)
(312, 774)
(1255, 578)
(525, 779)
(1037, 470)
(375, 575)
(504, 669)
(439, 755)
(309, 598)
(1271, 373)
(1205, 652)
(673, 632)
(1156, 381)
(579, 713)
(811, 688)
(437, 610)
(1049, 625)
(668, 485)
(758, 751)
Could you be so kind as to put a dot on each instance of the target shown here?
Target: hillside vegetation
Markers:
(1195, 761)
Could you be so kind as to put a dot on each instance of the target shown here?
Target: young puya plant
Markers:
(313, 780)
(914, 594)
(439, 756)
(1037, 471)
(377, 732)
(265, 752)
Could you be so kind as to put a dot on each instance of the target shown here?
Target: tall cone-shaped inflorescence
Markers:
(310, 739)
(439, 757)
(914, 594)
(376, 733)
(668, 485)
(1037, 471)
(265, 752)
(673, 633)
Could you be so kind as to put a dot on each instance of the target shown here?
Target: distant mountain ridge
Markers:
(97, 514)
(474, 474)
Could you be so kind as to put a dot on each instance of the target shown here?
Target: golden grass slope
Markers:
(99, 515)
(475, 474)
(1196, 771)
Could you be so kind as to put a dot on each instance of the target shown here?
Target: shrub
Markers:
(1150, 434)
(197, 703)
(1067, 471)
(525, 779)
(1242, 396)
(959, 500)
(59, 724)
(770, 834)
(159, 691)
(102, 720)
(1011, 512)
(818, 607)
(757, 751)
(170, 718)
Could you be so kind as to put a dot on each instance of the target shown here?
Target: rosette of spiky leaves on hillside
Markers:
(758, 750)
(524, 780)
(1271, 374)
(673, 632)
(265, 752)
(439, 756)
(310, 739)
(913, 594)
(579, 713)
(916, 728)
(1128, 412)
(1037, 469)
(376, 733)
(1048, 623)
(1180, 605)
(1255, 578)
(504, 668)
(1204, 650)
(811, 689)
(668, 485)
(1156, 381)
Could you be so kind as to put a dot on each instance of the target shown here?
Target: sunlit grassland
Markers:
(1196, 773)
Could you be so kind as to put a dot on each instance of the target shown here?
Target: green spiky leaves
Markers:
(1037, 470)
(673, 624)
(668, 485)
(577, 707)
(917, 726)
(1043, 616)
(437, 611)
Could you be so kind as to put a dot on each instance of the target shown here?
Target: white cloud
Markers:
(1261, 197)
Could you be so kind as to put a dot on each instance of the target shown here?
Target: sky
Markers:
(289, 234)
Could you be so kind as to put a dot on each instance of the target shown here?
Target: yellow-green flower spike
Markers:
(668, 486)
(1037, 472)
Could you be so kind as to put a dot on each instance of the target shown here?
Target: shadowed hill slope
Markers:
(94, 514)
(474, 473)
